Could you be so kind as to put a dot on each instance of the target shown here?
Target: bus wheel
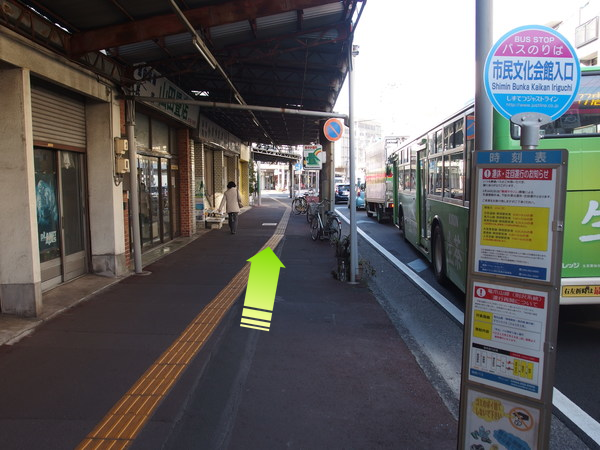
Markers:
(439, 256)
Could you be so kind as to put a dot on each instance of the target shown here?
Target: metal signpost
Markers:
(515, 253)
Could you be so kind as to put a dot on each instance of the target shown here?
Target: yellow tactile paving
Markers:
(121, 425)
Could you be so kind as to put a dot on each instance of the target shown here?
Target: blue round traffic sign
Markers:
(532, 69)
(333, 129)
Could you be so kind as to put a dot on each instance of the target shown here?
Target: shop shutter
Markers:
(57, 119)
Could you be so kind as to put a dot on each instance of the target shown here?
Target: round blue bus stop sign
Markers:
(532, 69)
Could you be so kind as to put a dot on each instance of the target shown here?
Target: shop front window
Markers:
(47, 204)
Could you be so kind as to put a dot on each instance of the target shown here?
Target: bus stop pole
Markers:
(483, 105)
(353, 51)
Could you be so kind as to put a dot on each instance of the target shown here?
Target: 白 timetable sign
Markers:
(532, 69)
(512, 297)
(515, 214)
(509, 331)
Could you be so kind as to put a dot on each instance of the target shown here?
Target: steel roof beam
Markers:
(169, 24)
(236, 106)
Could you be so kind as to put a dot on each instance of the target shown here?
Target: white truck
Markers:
(379, 196)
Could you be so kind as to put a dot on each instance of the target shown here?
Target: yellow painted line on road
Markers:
(125, 420)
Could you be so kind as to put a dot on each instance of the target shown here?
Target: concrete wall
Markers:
(105, 196)
(20, 275)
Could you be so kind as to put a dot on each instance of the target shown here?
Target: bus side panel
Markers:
(455, 223)
(581, 249)
(457, 240)
(409, 208)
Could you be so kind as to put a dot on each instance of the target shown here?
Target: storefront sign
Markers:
(153, 84)
(213, 134)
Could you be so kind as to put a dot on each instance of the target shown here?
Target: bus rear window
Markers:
(583, 117)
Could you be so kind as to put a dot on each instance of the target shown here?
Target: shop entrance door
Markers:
(155, 207)
(61, 215)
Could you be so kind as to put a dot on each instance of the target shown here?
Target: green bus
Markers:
(432, 190)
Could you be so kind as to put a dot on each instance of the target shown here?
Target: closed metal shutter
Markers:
(57, 119)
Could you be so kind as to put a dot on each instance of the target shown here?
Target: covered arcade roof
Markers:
(290, 54)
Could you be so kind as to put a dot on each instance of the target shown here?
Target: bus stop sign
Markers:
(532, 69)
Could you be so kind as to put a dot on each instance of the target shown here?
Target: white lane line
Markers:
(578, 416)
(574, 413)
(449, 307)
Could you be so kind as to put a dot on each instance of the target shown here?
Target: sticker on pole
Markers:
(532, 69)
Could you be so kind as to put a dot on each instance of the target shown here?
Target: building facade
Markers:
(367, 132)
(66, 206)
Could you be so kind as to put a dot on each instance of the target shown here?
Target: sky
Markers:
(416, 62)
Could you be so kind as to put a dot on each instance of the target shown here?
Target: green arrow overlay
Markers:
(261, 289)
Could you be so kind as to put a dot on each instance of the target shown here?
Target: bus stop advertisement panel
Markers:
(515, 254)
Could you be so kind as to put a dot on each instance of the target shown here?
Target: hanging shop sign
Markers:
(153, 84)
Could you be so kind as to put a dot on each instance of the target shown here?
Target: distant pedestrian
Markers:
(233, 203)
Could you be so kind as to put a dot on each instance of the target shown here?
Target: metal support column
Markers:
(133, 187)
(258, 183)
(353, 51)
(483, 44)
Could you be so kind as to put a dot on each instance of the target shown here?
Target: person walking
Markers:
(232, 202)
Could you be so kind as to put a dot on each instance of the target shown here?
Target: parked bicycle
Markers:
(311, 210)
(300, 203)
(330, 229)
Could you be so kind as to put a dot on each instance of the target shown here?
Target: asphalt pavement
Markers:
(332, 372)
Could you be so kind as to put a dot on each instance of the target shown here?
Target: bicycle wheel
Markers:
(335, 229)
(303, 205)
(310, 212)
(315, 228)
(297, 205)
